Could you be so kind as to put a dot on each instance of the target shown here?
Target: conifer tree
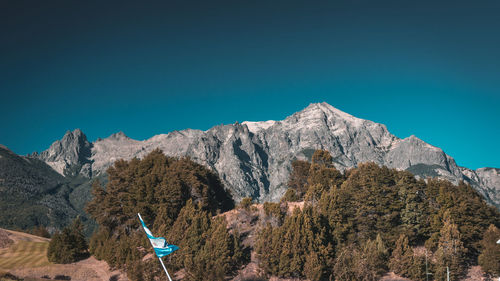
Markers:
(207, 250)
(313, 267)
(158, 187)
(290, 196)
(450, 252)
(300, 246)
(415, 214)
(298, 177)
(376, 255)
(489, 259)
(345, 264)
(402, 257)
(322, 175)
(69, 245)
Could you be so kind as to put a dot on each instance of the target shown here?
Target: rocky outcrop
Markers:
(254, 158)
(69, 156)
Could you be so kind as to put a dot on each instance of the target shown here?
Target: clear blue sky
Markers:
(428, 68)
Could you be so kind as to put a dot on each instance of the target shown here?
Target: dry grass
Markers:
(27, 258)
(86, 270)
(24, 254)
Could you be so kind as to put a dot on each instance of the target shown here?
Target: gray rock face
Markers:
(254, 158)
(70, 155)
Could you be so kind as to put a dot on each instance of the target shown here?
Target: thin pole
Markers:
(165, 269)
(448, 273)
(426, 271)
(161, 261)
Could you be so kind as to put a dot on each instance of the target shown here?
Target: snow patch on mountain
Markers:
(255, 127)
(254, 158)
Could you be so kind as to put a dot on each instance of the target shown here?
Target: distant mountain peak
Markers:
(324, 111)
(254, 158)
(69, 154)
(75, 134)
(120, 135)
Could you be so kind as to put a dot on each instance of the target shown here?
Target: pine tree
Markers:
(158, 187)
(69, 245)
(298, 247)
(402, 257)
(376, 255)
(80, 244)
(415, 214)
(322, 175)
(489, 259)
(298, 177)
(207, 249)
(450, 252)
(345, 264)
(313, 267)
(290, 196)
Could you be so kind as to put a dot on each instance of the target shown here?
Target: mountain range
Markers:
(253, 159)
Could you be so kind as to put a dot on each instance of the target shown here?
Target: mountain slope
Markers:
(31, 193)
(254, 158)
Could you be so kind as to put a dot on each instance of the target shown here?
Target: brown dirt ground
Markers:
(86, 270)
(5, 241)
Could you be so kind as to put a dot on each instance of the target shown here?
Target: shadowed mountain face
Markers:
(254, 158)
(31, 193)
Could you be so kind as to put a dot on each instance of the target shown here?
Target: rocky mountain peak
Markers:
(68, 155)
(254, 158)
(119, 136)
(324, 111)
(74, 135)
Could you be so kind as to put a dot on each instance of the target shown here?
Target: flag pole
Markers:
(168, 275)
(161, 261)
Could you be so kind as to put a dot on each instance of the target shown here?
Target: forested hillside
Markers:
(370, 220)
(176, 197)
(355, 225)
(31, 193)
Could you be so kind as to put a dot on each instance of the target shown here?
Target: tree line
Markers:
(355, 225)
(371, 219)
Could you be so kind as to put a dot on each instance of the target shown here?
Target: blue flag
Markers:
(162, 248)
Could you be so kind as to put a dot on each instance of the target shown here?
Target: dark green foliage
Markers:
(62, 277)
(376, 202)
(345, 263)
(489, 259)
(40, 231)
(322, 176)
(33, 195)
(6, 276)
(402, 257)
(290, 196)
(298, 248)
(29, 191)
(159, 187)
(322, 158)
(298, 177)
(365, 204)
(245, 203)
(353, 263)
(69, 245)
(465, 207)
(372, 213)
(415, 216)
(207, 250)
(275, 213)
(450, 252)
